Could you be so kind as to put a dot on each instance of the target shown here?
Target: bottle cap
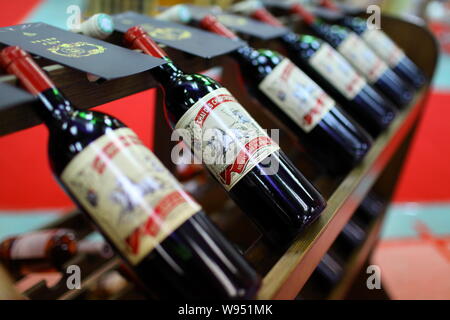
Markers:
(307, 16)
(18, 62)
(137, 38)
(98, 26)
(211, 23)
(178, 13)
(10, 55)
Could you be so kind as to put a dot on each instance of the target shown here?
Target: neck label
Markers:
(338, 71)
(384, 47)
(230, 142)
(363, 58)
(131, 196)
(297, 95)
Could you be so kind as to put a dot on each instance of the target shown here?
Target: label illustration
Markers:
(384, 46)
(128, 192)
(363, 58)
(229, 141)
(338, 71)
(77, 49)
(297, 95)
(166, 33)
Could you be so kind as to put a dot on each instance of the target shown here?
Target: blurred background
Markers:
(416, 235)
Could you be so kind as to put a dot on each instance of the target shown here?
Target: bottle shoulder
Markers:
(75, 133)
(302, 46)
(332, 33)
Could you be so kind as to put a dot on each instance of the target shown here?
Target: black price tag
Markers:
(12, 96)
(83, 53)
(240, 24)
(184, 38)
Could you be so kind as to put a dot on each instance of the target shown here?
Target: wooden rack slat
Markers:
(287, 277)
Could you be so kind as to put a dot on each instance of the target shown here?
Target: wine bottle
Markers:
(352, 234)
(329, 270)
(371, 208)
(332, 72)
(138, 206)
(360, 55)
(334, 139)
(383, 45)
(99, 26)
(235, 149)
(40, 251)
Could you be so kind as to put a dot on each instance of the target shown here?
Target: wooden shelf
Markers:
(284, 274)
(356, 261)
(287, 277)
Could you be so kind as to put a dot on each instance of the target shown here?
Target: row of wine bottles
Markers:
(334, 264)
(47, 250)
(142, 210)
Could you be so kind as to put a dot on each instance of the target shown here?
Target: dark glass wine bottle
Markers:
(329, 271)
(136, 203)
(334, 139)
(234, 148)
(39, 251)
(383, 45)
(360, 55)
(334, 74)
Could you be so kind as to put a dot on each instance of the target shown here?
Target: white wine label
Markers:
(32, 245)
(338, 71)
(363, 58)
(131, 196)
(297, 95)
(384, 46)
(230, 142)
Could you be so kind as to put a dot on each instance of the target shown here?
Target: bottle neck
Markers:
(138, 39)
(54, 107)
(242, 54)
(167, 73)
(150, 47)
(303, 13)
(265, 16)
(211, 24)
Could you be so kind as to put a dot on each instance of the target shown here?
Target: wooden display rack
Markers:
(284, 272)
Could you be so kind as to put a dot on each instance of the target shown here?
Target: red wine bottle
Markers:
(330, 270)
(360, 55)
(234, 148)
(133, 199)
(334, 139)
(333, 73)
(383, 45)
(39, 251)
